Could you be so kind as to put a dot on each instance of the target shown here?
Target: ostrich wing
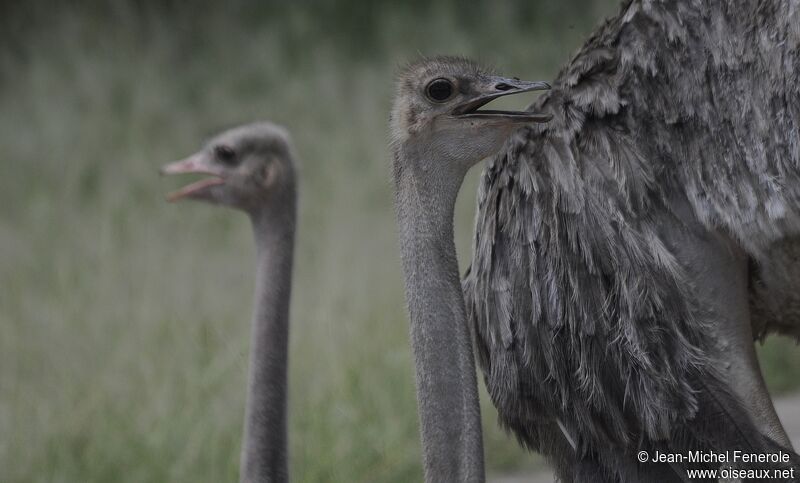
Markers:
(581, 310)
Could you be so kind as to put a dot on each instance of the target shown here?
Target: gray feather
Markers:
(697, 102)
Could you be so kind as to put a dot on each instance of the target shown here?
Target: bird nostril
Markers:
(503, 86)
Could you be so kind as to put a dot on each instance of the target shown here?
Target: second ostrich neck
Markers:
(264, 451)
(445, 369)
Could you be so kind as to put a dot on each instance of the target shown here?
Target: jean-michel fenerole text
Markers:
(735, 456)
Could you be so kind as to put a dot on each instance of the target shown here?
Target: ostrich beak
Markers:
(194, 164)
(495, 87)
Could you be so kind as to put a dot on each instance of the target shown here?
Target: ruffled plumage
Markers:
(580, 310)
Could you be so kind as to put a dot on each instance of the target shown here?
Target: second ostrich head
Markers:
(437, 113)
(438, 132)
(249, 167)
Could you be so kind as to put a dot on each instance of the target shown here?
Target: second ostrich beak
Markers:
(495, 87)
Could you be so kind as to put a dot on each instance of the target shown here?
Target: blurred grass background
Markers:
(124, 320)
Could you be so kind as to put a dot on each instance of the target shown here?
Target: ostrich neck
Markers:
(447, 391)
(264, 451)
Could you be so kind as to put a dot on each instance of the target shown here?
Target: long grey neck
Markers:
(264, 453)
(447, 390)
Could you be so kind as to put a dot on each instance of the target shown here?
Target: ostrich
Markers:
(616, 245)
(251, 169)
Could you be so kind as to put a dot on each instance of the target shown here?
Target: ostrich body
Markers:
(608, 293)
(252, 170)
(615, 244)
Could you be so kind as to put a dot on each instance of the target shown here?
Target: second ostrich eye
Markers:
(439, 90)
(225, 154)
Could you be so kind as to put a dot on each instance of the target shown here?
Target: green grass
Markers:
(124, 320)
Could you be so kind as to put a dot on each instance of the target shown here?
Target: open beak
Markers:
(496, 87)
(194, 164)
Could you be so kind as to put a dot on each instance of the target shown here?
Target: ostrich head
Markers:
(251, 168)
(437, 117)
(248, 167)
(439, 132)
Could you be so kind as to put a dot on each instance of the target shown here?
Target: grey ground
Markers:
(788, 408)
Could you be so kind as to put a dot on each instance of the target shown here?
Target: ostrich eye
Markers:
(439, 90)
(225, 154)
